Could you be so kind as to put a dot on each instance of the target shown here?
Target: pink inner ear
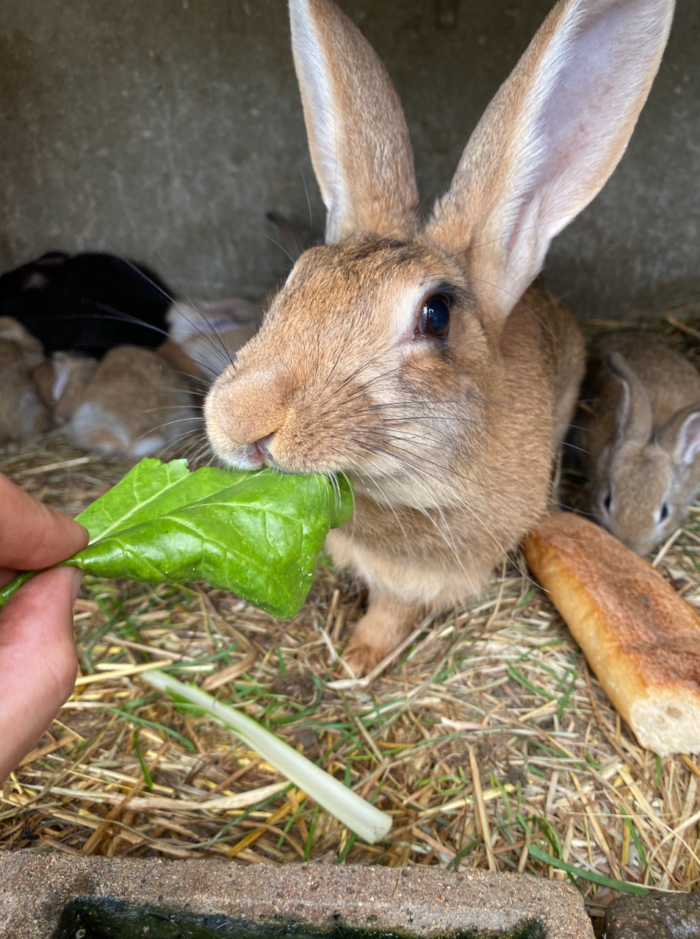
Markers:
(689, 443)
(580, 130)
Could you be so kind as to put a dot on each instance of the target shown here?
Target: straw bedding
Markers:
(488, 740)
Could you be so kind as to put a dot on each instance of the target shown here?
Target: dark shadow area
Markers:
(107, 918)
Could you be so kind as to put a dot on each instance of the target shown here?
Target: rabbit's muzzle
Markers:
(243, 412)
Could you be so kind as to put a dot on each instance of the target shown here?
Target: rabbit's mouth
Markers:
(252, 456)
(257, 455)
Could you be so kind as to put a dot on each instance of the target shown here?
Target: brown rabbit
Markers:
(62, 380)
(133, 404)
(641, 439)
(397, 353)
(22, 413)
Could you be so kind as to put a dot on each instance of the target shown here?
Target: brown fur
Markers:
(22, 413)
(61, 381)
(448, 441)
(435, 510)
(134, 404)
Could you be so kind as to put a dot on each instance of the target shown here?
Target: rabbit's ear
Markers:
(689, 441)
(634, 417)
(358, 137)
(681, 436)
(550, 139)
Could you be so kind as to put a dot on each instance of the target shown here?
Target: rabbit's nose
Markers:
(250, 427)
(247, 410)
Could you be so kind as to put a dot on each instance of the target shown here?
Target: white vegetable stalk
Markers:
(364, 819)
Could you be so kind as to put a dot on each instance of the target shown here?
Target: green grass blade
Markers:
(622, 885)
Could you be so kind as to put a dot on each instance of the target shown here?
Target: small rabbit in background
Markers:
(131, 404)
(22, 413)
(210, 334)
(641, 438)
(113, 373)
(399, 352)
(86, 303)
(61, 381)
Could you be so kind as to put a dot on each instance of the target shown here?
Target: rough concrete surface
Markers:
(665, 916)
(426, 902)
(165, 130)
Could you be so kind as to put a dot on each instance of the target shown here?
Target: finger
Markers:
(6, 575)
(32, 535)
(38, 662)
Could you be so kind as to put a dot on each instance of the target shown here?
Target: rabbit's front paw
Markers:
(386, 623)
(365, 652)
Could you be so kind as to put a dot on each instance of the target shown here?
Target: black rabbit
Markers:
(86, 303)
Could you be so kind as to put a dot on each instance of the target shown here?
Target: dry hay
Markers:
(496, 691)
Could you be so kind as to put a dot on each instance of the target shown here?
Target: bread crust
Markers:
(639, 636)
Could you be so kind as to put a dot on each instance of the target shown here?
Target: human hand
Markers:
(38, 662)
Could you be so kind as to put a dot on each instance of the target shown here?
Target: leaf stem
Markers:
(10, 589)
(352, 810)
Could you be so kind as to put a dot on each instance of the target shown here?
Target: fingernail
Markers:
(77, 578)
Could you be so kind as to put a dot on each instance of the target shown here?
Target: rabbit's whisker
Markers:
(168, 407)
(388, 502)
(219, 348)
(149, 280)
(423, 511)
(459, 496)
(281, 247)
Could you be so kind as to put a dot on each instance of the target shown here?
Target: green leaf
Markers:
(149, 490)
(259, 537)
(256, 533)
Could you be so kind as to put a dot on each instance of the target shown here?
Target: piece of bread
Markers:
(640, 638)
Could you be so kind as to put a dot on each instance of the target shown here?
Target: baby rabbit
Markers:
(641, 441)
(212, 333)
(132, 404)
(22, 413)
(61, 381)
(88, 303)
(398, 352)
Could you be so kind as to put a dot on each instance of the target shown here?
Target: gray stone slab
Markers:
(415, 901)
(656, 916)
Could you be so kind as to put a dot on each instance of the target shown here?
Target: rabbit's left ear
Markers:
(634, 419)
(357, 132)
(550, 139)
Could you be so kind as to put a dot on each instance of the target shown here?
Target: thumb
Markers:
(38, 661)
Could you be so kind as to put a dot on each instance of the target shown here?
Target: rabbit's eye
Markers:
(607, 502)
(663, 512)
(435, 317)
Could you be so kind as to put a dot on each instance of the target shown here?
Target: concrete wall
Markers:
(166, 129)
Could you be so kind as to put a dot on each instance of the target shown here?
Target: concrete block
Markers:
(218, 898)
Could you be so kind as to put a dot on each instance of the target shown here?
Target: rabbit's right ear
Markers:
(681, 435)
(550, 139)
(357, 132)
(634, 417)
